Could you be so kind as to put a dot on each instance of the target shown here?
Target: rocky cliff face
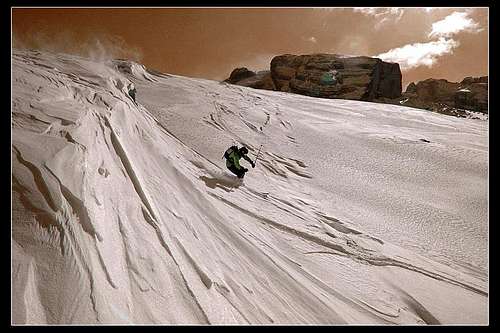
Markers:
(326, 76)
(445, 97)
(366, 79)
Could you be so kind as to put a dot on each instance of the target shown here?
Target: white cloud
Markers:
(453, 24)
(380, 23)
(385, 15)
(419, 54)
(366, 10)
(426, 54)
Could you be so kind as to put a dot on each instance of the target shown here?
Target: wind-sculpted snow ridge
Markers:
(123, 212)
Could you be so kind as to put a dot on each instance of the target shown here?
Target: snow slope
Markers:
(123, 212)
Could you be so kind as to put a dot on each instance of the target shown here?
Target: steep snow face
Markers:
(123, 212)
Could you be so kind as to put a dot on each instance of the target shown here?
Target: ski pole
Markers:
(257, 155)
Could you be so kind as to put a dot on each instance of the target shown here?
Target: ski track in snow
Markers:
(123, 212)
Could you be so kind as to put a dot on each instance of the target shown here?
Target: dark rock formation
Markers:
(367, 79)
(444, 96)
(411, 89)
(326, 76)
(471, 80)
(334, 76)
(239, 74)
(244, 77)
(473, 94)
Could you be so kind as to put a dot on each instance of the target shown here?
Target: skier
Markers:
(233, 155)
(132, 91)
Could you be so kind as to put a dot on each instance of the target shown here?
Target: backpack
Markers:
(229, 151)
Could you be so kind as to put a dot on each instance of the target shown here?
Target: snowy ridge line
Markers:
(120, 152)
(207, 281)
(423, 313)
(78, 207)
(131, 266)
(148, 212)
(380, 311)
(38, 178)
(189, 288)
(60, 218)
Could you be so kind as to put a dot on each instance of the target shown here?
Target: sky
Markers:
(440, 43)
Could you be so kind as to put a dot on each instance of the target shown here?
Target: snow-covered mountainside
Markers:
(123, 212)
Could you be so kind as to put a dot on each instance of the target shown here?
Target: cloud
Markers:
(453, 24)
(426, 54)
(419, 54)
(385, 15)
(379, 11)
(365, 10)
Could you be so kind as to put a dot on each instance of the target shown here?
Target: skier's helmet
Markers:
(243, 150)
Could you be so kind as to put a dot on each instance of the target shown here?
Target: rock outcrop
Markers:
(367, 79)
(335, 76)
(239, 74)
(244, 77)
(473, 95)
(412, 88)
(326, 76)
(443, 96)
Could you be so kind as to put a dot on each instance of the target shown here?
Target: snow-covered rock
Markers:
(452, 98)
